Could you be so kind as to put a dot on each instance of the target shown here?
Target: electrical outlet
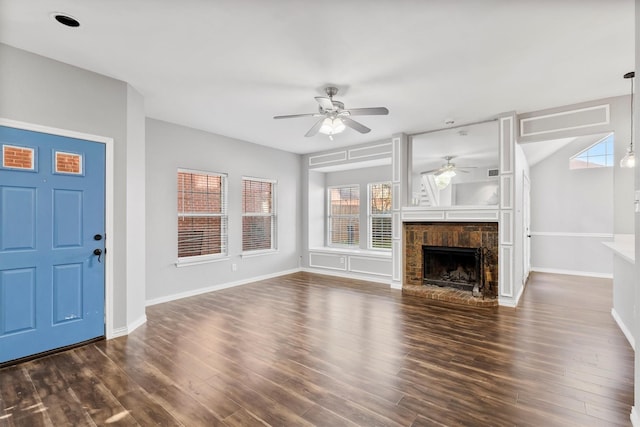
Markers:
(234, 267)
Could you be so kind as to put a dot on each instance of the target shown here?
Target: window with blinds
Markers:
(380, 216)
(202, 214)
(258, 214)
(344, 216)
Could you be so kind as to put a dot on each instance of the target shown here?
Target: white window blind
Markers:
(258, 214)
(380, 216)
(344, 216)
(202, 214)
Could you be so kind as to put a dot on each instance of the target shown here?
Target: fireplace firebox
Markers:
(453, 267)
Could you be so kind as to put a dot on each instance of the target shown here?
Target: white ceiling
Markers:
(229, 66)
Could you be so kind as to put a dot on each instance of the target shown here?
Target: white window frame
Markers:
(330, 216)
(371, 216)
(224, 237)
(272, 214)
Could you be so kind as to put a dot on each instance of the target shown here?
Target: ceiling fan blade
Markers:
(291, 116)
(373, 111)
(460, 170)
(431, 171)
(355, 125)
(314, 130)
(325, 103)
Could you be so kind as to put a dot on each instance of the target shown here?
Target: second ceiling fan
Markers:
(334, 118)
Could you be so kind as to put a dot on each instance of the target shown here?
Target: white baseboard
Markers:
(635, 419)
(627, 333)
(377, 279)
(126, 330)
(511, 302)
(218, 287)
(573, 272)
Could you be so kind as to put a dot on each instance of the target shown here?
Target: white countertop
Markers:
(624, 246)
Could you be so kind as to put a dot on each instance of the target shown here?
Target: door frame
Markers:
(109, 203)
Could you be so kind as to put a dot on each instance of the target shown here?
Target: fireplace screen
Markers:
(453, 267)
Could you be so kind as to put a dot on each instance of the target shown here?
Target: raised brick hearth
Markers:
(454, 235)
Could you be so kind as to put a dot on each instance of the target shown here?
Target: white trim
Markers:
(109, 204)
(635, 419)
(256, 253)
(506, 146)
(369, 253)
(569, 234)
(386, 281)
(511, 302)
(312, 159)
(396, 162)
(573, 272)
(395, 285)
(362, 271)
(126, 330)
(627, 333)
(564, 113)
(353, 157)
(200, 259)
(217, 287)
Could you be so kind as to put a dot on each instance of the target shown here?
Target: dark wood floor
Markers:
(306, 349)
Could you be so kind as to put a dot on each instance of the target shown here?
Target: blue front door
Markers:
(52, 195)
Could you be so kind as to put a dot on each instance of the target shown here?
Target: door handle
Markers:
(98, 253)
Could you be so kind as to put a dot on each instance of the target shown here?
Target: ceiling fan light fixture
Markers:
(442, 181)
(332, 126)
(448, 174)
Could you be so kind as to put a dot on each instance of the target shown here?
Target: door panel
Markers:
(18, 218)
(18, 296)
(67, 218)
(52, 192)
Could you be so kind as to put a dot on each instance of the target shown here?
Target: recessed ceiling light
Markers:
(65, 19)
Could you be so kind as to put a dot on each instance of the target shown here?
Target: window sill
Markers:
(189, 262)
(252, 254)
(347, 251)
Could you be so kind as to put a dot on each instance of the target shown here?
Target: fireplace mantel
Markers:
(450, 214)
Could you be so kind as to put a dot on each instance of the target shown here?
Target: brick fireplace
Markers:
(453, 237)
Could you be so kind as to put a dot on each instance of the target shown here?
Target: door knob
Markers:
(98, 252)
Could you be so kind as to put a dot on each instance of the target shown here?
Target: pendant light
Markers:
(629, 159)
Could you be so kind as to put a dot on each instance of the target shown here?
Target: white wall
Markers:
(171, 147)
(567, 207)
(136, 194)
(38, 90)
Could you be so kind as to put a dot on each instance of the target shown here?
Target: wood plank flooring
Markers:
(307, 349)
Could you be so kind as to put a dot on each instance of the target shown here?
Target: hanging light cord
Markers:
(631, 75)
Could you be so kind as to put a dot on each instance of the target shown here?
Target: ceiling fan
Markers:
(334, 118)
(448, 168)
